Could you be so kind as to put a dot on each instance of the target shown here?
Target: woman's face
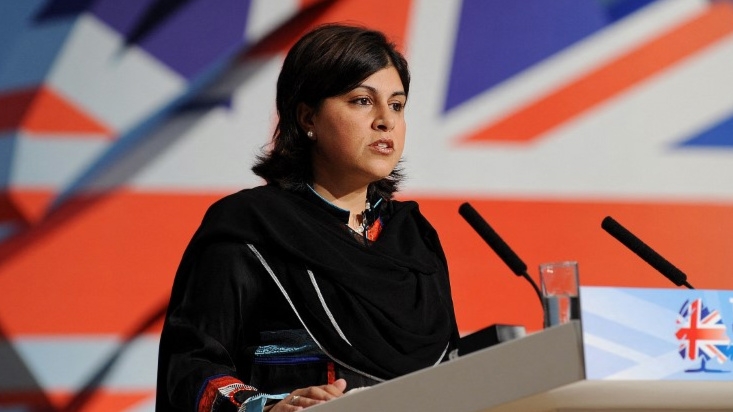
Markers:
(359, 136)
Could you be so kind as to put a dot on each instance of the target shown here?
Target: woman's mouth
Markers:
(383, 146)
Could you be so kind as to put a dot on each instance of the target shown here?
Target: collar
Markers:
(339, 213)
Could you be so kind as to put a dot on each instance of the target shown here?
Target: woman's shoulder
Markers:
(246, 198)
(248, 194)
(248, 207)
(402, 206)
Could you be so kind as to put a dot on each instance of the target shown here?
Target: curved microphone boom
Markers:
(497, 244)
(645, 252)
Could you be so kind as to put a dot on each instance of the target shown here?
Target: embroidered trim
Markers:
(374, 230)
(325, 308)
(219, 388)
(287, 347)
(257, 402)
(287, 343)
(273, 360)
(331, 372)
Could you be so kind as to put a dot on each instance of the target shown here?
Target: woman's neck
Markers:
(354, 201)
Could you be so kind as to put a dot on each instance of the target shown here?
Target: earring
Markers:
(310, 134)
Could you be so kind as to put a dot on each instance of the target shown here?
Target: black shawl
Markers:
(391, 299)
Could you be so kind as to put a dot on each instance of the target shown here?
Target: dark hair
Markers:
(328, 61)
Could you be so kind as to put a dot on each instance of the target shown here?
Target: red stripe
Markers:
(43, 110)
(371, 14)
(640, 64)
(14, 105)
(108, 267)
(331, 372)
(30, 205)
(693, 236)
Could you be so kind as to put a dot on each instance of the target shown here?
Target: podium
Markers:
(543, 371)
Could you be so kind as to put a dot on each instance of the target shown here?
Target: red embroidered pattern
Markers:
(223, 387)
(374, 230)
(331, 373)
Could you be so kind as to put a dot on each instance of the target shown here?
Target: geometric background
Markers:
(120, 122)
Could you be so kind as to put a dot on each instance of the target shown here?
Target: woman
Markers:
(291, 291)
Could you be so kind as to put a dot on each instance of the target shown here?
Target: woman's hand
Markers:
(314, 395)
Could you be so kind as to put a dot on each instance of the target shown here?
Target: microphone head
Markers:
(608, 222)
(492, 239)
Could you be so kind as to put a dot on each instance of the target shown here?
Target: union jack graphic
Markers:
(701, 332)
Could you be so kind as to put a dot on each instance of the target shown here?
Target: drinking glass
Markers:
(559, 282)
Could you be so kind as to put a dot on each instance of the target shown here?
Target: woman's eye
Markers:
(397, 106)
(362, 101)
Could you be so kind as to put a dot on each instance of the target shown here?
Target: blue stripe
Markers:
(295, 360)
(719, 135)
(497, 39)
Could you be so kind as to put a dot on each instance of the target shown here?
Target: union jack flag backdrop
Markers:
(121, 121)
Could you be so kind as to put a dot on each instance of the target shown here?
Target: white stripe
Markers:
(605, 304)
(614, 348)
(65, 363)
(442, 355)
(325, 308)
(282, 289)
(265, 16)
(50, 161)
(655, 368)
(432, 66)
(187, 137)
(232, 387)
(580, 158)
(119, 85)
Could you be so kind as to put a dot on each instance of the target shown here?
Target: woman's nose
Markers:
(385, 120)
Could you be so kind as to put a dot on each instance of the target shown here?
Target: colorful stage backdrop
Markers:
(121, 121)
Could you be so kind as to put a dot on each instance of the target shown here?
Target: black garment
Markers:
(263, 259)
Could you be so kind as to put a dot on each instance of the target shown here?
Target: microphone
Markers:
(497, 244)
(645, 252)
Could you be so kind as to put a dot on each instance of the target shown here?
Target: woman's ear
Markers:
(305, 119)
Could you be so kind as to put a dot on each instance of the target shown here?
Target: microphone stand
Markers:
(497, 244)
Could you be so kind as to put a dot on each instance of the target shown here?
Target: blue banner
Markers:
(657, 334)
